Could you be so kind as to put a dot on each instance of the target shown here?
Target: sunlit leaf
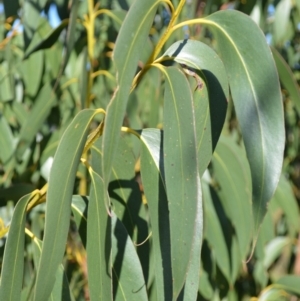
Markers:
(210, 100)
(58, 202)
(98, 243)
(128, 279)
(181, 172)
(129, 44)
(256, 94)
(13, 259)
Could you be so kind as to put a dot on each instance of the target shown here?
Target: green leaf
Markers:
(58, 201)
(61, 291)
(98, 243)
(289, 283)
(13, 260)
(152, 172)
(257, 98)
(210, 101)
(6, 83)
(130, 42)
(190, 289)
(281, 21)
(128, 279)
(46, 99)
(79, 210)
(285, 199)
(213, 233)
(287, 78)
(32, 71)
(48, 40)
(181, 172)
(232, 174)
(274, 248)
(125, 195)
(7, 142)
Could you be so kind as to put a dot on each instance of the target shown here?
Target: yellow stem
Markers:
(168, 32)
(161, 42)
(103, 72)
(69, 82)
(130, 131)
(90, 30)
(109, 13)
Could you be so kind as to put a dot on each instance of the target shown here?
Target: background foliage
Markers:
(56, 60)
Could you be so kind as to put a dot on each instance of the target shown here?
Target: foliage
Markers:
(126, 163)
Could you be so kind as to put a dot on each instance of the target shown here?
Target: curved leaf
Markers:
(285, 199)
(181, 172)
(213, 233)
(58, 203)
(46, 99)
(289, 283)
(61, 290)
(130, 42)
(210, 101)
(48, 40)
(128, 279)
(98, 243)
(256, 94)
(13, 260)
(152, 172)
(232, 173)
(287, 78)
(191, 286)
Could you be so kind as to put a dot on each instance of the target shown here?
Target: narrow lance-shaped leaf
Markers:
(231, 171)
(98, 243)
(129, 45)
(181, 172)
(210, 95)
(13, 260)
(46, 99)
(128, 279)
(287, 78)
(58, 204)
(191, 286)
(61, 290)
(256, 94)
(152, 172)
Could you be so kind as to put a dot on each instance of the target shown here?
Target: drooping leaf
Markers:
(274, 248)
(7, 142)
(13, 259)
(128, 279)
(210, 100)
(289, 283)
(287, 78)
(213, 233)
(129, 44)
(190, 289)
(98, 243)
(48, 40)
(79, 208)
(152, 172)
(281, 21)
(58, 202)
(32, 70)
(46, 99)
(232, 173)
(257, 98)
(286, 201)
(61, 290)
(181, 172)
